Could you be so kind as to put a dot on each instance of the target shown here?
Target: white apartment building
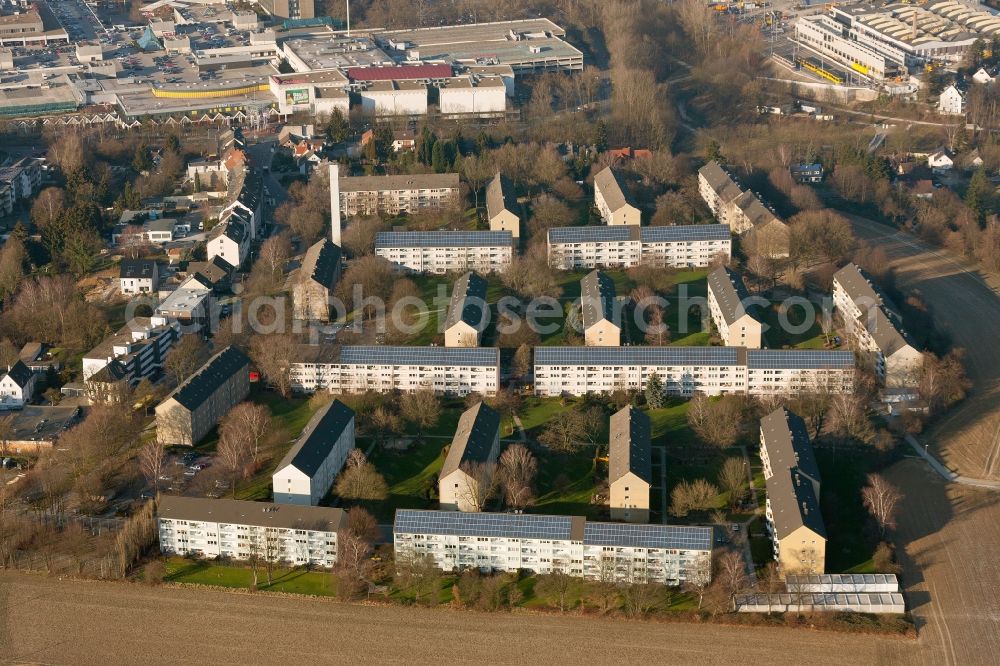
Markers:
(718, 190)
(239, 530)
(476, 442)
(686, 371)
(368, 195)
(138, 276)
(951, 101)
(355, 369)
(611, 198)
(688, 246)
(874, 326)
(610, 552)
(230, 241)
(732, 310)
(141, 346)
(473, 94)
(446, 251)
(306, 473)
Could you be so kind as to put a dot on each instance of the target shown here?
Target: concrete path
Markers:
(946, 473)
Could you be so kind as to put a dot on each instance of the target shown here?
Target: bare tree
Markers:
(881, 498)
(234, 452)
(640, 598)
(733, 479)
(185, 358)
(273, 356)
(716, 422)
(360, 480)
(421, 408)
(354, 549)
(558, 585)
(151, 462)
(687, 496)
(698, 576)
(6, 430)
(480, 485)
(565, 430)
(733, 573)
(253, 421)
(518, 468)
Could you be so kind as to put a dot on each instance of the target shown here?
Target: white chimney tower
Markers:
(335, 203)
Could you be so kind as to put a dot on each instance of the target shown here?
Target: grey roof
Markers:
(786, 439)
(236, 229)
(240, 512)
(793, 503)
(321, 263)
(137, 268)
(113, 372)
(477, 430)
(798, 359)
(858, 602)
(558, 528)
(755, 210)
(730, 293)
(20, 373)
(213, 271)
(468, 302)
(862, 290)
(597, 298)
(216, 372)
(889, 338)
(318, 438)
(447, 356)
(719, 179)
(639, 355)
(872, 582)
(614, 191)
(500, 196)
(443, 239)
(629, 445)
(606, 234)
(421, 181)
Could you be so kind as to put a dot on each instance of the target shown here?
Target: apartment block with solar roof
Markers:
(611, 552)
(456, 371)
(625, 246)
(686, 371)
(446, 251)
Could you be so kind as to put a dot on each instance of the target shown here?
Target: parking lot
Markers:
(191, 473)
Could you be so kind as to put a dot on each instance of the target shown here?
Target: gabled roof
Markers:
(720, 181)
(468, 302)
(318, 438)
(862, 290)
(20, 373)
(754, 210)
(213, 271)
(786, 439)
(730, 293)
(137, 268)
(321, 263)
(613, 190)
(113, 372)
(216, 372)
(597, 298)
(889, 338)
(629, 445)
(242, 512)
(793, 503)
(500, 196)
(477, 429)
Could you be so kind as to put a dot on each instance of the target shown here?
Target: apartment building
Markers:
(240, 530)
(630, 473)
(456, 371)
(689, 246)
(191, 305)
(743, 211)
(686, 371)
(718, 190)
(735, 316)
(573, 545)
(446, 251)
(230, 241)
(468, 312)
(502, 209)
(612, 200)
(792, 480)
(471, 460)
(137, 349)
(315, 282)
(306, 473)
(195, 407)
(874, 326)
(393, 195)
(601, 319)
(138, 276)
(17, 386)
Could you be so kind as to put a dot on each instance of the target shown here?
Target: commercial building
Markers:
(306, 473)
(29, 29)
(630, 474)
(315, 92)
(874, 326)
(828, 37)
(138, 350)
(688, 246)
(471, 463)
(289, 9)
(315, 282)
(686, 371)
(394, 98)
(355, 369)
(612, 200)
(733, 312)
(600, 316)
(240, 530)
(195, 407)
(138, 276)
(17, 386)
(792, 480)
(393, 195)
(502, 208)
(573, 545)
(468, 312)
(446, 251)
(481, 95)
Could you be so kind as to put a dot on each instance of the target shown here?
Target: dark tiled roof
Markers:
(477, 429)
(730, 293)
(786, 439)
(793, 503)
(322, 263)
(862, 290)
(597, 298)
(20, 373)
(468, 300)
(318, 438)
(137, 268)
(216, 372)
(629, 445)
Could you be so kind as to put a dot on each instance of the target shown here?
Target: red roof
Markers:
(399, 73)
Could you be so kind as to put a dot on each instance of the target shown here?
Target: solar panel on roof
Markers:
(794, 359)
(589, 234)
(648, 536)
(387, 355)
(443, 239)
(687, 232)
(453, 523)
(720, 356)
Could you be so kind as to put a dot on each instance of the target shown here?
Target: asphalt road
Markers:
(966, 304)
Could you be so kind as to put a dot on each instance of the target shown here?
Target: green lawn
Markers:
(567, 482)
(778, 337)
(535, 412)
(843, 474)
(409, 473)
(294, 581)
(683, 315)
